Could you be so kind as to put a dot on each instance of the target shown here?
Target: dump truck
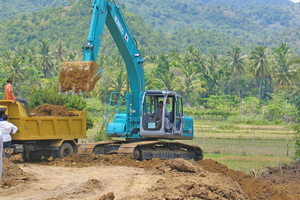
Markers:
(44, 136)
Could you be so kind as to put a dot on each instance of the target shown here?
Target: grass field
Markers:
(241, 147)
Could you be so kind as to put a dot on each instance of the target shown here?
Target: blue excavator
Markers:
(153, 119)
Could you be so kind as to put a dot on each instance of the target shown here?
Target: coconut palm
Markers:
(118, 83)
(196, 58)
(166, 80)
(188, 82)
(45, 58)
(259, 64)
(284, 69)
(17, 70)
(237, 64)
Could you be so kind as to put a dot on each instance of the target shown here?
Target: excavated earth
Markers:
(52, 110)
(120, 177)
(78, 76)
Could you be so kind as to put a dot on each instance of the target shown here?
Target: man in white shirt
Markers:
(1, 146)
(7, 130)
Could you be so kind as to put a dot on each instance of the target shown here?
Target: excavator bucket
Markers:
(78, 76)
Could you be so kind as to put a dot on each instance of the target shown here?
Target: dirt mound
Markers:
(205, 179)
(253, 187)
(185, 180)
(179, 165)
(285, 177)
(52, 110)
(108, 196)
(12, 175)
(80, 160)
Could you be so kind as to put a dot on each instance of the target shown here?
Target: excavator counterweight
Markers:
(78, 76)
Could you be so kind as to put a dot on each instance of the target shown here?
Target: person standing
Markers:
(9, 95)
(1, 148)
(7, 129)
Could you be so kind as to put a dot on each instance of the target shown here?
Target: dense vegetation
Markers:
(13, 8)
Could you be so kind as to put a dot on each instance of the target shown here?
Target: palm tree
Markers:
(283, 69)
(16, 68)
(259, 64)
(188, 81)
(45, 58)
(236, 62)
(118, 83)
(196, 58)
(166, 80)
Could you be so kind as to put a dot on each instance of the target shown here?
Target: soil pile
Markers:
(78, 76)
(285, 177)
(80, 160)
(13, 175)
(52, 110)
(205, 179)
(183, 180)
(108, 196)
(253, 187)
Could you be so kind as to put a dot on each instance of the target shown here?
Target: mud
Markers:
(78, 76)
(52, 110)
(109, 177)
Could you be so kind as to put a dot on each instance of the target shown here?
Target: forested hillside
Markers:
(71, 25)
(245, 3)
(258, 22)
(13, 8)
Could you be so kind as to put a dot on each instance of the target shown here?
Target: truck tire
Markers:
(65, 150)
(33, 156)
(24, 157)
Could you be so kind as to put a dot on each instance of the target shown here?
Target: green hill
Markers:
(13, 8)
(246, 3)
(158, 26)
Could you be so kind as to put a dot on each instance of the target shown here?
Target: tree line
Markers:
(195, 75)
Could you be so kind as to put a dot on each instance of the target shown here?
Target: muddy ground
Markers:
(120, 177)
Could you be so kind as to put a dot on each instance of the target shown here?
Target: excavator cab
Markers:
(162, 116)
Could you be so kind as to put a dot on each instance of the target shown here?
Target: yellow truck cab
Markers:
(44, 136)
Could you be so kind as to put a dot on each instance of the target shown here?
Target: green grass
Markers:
(258, 164)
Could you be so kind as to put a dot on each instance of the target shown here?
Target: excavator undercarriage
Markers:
(144, 150)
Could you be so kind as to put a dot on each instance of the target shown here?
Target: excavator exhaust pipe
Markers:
(78, 77)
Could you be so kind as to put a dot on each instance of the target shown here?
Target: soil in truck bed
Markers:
(53, 110)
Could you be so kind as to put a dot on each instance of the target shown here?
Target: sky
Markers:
(295, 1)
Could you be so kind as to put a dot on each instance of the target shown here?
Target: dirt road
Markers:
(81, 183)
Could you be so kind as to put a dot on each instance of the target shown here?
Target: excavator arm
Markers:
(82, 76)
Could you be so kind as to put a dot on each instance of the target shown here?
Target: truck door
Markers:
(178, 117)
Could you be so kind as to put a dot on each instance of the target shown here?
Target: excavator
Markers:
(152, 120)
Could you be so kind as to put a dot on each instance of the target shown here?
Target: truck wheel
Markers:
(65, 150)
(33, 156)
(24, 157)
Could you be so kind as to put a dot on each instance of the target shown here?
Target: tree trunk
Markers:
(237, 82)
(259, 89)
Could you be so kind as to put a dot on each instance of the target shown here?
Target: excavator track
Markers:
(162, 150)
(102, 147)
(144, 149)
